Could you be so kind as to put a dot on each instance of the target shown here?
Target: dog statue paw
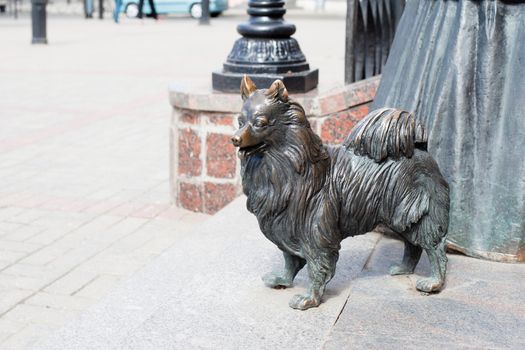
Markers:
(400, 270)
(429, 285)
(303, 302)
(276, 281)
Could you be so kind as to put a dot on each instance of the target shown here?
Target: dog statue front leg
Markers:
(292, 265)
(320, 271)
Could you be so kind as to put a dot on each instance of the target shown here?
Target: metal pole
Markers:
(101, 9)
(38, 21)
(16, 9)
(351, 37)
(205, 17)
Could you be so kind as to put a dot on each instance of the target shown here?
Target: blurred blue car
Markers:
(192, 7)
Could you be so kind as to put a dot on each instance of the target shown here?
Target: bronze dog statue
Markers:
(308, 197)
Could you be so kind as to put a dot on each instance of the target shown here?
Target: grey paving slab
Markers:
(206, 292)
(482, 307)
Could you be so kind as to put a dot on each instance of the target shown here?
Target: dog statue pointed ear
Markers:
(247, 87)
(278, 90)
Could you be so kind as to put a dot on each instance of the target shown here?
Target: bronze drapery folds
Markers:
(459, 67)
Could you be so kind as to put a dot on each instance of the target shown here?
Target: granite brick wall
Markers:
(204, 165)
(204, 162)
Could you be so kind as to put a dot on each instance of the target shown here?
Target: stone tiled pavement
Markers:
(205, 292)
(84, 194)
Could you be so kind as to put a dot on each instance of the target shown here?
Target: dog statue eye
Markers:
(241, 122)
(259, 123)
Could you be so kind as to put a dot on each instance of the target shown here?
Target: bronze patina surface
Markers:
(308, 197)
(458, 66)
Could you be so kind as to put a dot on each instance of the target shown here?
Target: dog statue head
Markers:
(262, 112)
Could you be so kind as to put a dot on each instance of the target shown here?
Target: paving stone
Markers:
(21, 247)
(132, 241)
(26, 337)
(22, 282)
(28, 216)
(10, 327)
(63, 220)
(172, 213)
(157, 246)
(99, 287)
(95, 227)
(49, 235)
(7, 213)
(9, 298)
(59, 301)
(4, 335)
(150, 210)
(117, 231)
(45, 255)
(35, 271)
(113, 264)
(26, 314)
(75, 257)
(4, 264)
(72, 282)
(7, 228)
(11, 256)
(24, 233)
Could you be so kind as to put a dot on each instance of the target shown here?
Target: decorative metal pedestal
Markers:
(38, 20)
(266, 52)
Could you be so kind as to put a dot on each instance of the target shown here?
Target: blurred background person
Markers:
(116, 10)
(153, 12)
(89, 8)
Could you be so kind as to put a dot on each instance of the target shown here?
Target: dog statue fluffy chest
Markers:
(284, 196)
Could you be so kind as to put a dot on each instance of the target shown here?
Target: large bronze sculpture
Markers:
(308, 197)
(458, 67)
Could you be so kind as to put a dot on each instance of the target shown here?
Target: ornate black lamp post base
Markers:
(39, 41)
(295, 82)
(266, 52)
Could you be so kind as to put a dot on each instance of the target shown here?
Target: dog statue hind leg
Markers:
(292, 265)
(438, 267)
(411, 257)
(428, 234)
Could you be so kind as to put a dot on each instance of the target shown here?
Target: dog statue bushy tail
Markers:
(422, 216)
(308, 197)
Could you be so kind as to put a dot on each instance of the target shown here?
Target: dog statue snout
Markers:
(236, 140)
